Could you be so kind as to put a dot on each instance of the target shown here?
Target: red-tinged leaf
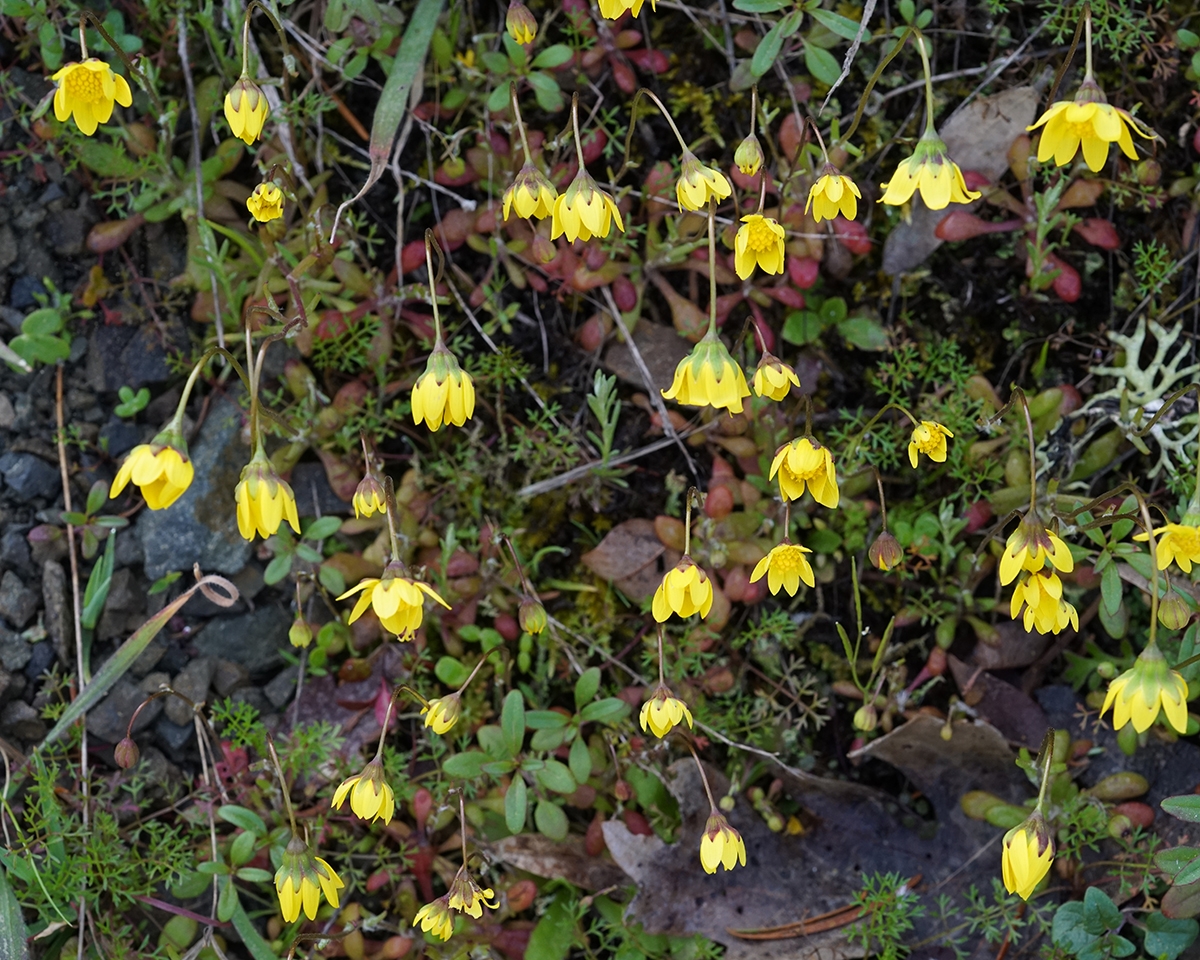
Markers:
(110, 234)
(381, 705)
(1081, 193)
(513, 941)
(378, 880)
(803, 271)
(331, 325)
(627, 39)
(461, 564)
(788, 296)
(765, 333)
(975, 180)
(342, 476)
(637, 824)
(1099, 232)
(789, 135)
(623, 76)
(625, 294)
(652, 61)
(412, 256)
(961, 225)
(350, 396)
(852, 235)
(455, 227)
(594, 144)
(1067, 284)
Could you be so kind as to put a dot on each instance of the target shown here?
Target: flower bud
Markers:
(749, 156)
(521, 24)
(1106, 669)
(623, 791)
(300, 633)
(126, 753)
(532, 615)
(1173, 611)
(1119, 826)
(886, 552)
(727, 803)
(866, 718)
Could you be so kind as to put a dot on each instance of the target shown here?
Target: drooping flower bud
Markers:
(532, 615)
(300, 634)
(521, 24)
(866, 718)
(1173, 611)
(126, 753)
(749, 155)
(886, 552)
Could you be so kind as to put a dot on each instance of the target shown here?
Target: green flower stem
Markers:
(1044, 786)
(687, 523)
(471, 676)
(83, 50)
(753, 108)
(283, 44)
(283, 787)
(703, 779)
(1145, 511)
(1087, 28)
(882, 501)
(429, 242)
(920, 42)
(176, 422)
(1032, 454)
(862, 102)
(671, 120)
(87, 15)
(512, 96)
(575, 127)
(712, 268)
(389, 498)
(255, 432)
(246, 41)
(661, 675)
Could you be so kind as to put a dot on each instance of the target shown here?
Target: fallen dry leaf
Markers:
(567, 860)
(627, 558)
(1013, 713)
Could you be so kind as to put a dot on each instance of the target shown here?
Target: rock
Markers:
(660, 346)
(254, 639)
(281, 689)
(155, 769)
(14, 552)
(21, 721)
(120, 435)
(201, 527)
(192, 682)
(129, 551)
(15, 651)
(20, 294)
(6, 680)
(109, 719)
(41, 655)
(228, 676)
(254, 697)
(174, 736)
(309, 479)
(66, 231)
(148, 659)
(58, 620)
(120, 356)
(125, 594)
(18, 603)
(28, 476)
(8, 247)
(8, 416)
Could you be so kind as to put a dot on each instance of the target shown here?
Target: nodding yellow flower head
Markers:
(444, 392)
(246, 109)
(161, 470)
(264, 500)
(932, 172)
(301, 879)
(1027, 855)
(1176, 541)
(663, 711)
(885, 552)
(369, 496)
(759, 242)
(929, 438)
(1090, 121)
(773, 378)
(442, 713)
(87, 92)
(805, 462)
(1045, 609)
(785, 566)
(370, 796)
(265, 203)
(1029, 547)
(531, 193)
(300, 633)
(397, 601)
(436, 918)
(584, 211)
(697, 182)
(709, 377)
(531, 615)
(721, 845)
(521, 23)
(749, 156)
(466, 896)
(1140, 691)
(684, 590)
(831, 194)
(613, 9)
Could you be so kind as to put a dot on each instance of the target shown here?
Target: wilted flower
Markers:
(773, 378)
(301, 879)
(663, 711)
(885, 552)
(436, 918)
(87, 91)
(466, 896)
(749, 155)
(162, 470)
(685, 589)
(1140, 691)
(369, 496)
(370, 795)
(721, 845)
(444, 392)
(521, 24)
(265, 203)
(932, 172)
(1045, 609)
(1176, 541)
(264, 500)
(531, 193)
(1030, 546)
(698, 182)
(805, 462)
(709, 376)
(785, 566)
(833, 193)
(759, 242)
(584, 211)
(1027, 855)
(442, 713)
(929, 438)
(1090, 121)
(397, 601)
(246, 109)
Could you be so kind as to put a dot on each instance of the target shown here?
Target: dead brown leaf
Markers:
(627, 557)
(568, 859)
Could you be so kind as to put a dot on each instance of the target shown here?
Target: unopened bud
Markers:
(1148, 173)
(885, 552)
(726, 803)
(1119, 826)
(1173, 611)
(532, 615)
(866, 718)
(300, 633)
(774, 823)
(521, 24)
(126, 753)
(623, 791)
(749, 155)
(1106, 669)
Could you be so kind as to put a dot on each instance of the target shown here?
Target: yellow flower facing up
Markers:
(698, 182)
(1176, 541)
(264, 500)
(265, 203)
(684, 590)
(301, 880)
(831, 194)
(369, 497)
(246, 109)
(613, 9)
(773, 378)
(929, 438)
(521, 24)
(584, 211)
(932, 172)
(398, 601)
(87, 92)
(749, 155)
(1045, 609)
(531, 194)
(1087, 121)
(721, 845)
(663, 711)
(1027, 854)
(1029, 547)
(436, 918)
(709, 377)
(444, 393)
(162, 471)
(785, 566)
(804, 462)
(442, 713)
(1139, 693)
(466, 896)
(370, 795)
(759, 242)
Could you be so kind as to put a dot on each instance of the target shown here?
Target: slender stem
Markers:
(389, 497)
(807, 415)
(82, 41)
(920, 39)
(1032, 455)
(820, 139)
(661, 677)
(437, 320)
(525, 584)
(712, 268)
(1087, 29)
(704, 779)
(387, 718)
(471, 676)
(246, 42)
(575, 127)
(1145, 511)
(462, 824)
(787, 518)
(762, 200)
(874, 79)
(1043, 787)
(882, 501)
(512, 96)
(255, 433)
(663, 110)
(283, 787)
(687, 524)
(753, 107)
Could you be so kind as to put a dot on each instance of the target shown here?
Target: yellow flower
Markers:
(932, 172)
(1029, 547)
(1088, 120)
(785, 566)
(773, 378)
(698, 182)
(584, 211)
(928, 438)
(1176, 541)
(1027, 855)
(1140, 691)
(663, 711)
(684, 590)
(1045, 609)
(721, 845)
(801, 462)
(264, 500)
(759, 242)
(397, 601)
(435, 918)
(531, 193)
(444, 392)
(833, 193)
(87, 91)
(612, 9)
(709, 376)
(521, 24)
(161, 470)
(466, 896)
(265, 203)
(370, 795)
(749, 155)
(369, 496)
(442, 713)
(301, 879)
(246, 109)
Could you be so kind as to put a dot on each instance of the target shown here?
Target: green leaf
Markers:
(515, 802)
(555, 932)
(242, 849)
(545, 719)
(99, 582)
(1111, 589)
(279, 567)
(499, 768)
(512, 719)
(821, 64)
(546, 91)
(331, 579)
(550, 820)
(210, 867)
(108, 160)
(547, 740)
(580, 760)
(1175, 859)
(307, 553)
(1189, 874)
(553, 56)
(1186, 807)
(864, 332)
(1166, 939)
(608, 710)
(191, 883)
(253, 941)
(823, 541)
(451, 672)
(586, 687)
(557, 776)
(228, 901)
(498, 99)
(14, 938)
(254, 875)
(516, 53)
(495, 62)
(1100, 914)
(761, 6)
(767, 51)
(1116, 624)
(491, 738)
(35, 348)
(248, 820)
(43, 322)
(844, 27)
(466, 765)
(802, 327)
(1068, 930)
(322, 528)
